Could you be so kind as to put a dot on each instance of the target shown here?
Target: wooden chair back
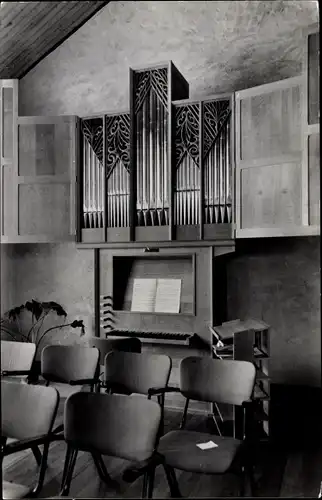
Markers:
(113, 425)
(216, 380)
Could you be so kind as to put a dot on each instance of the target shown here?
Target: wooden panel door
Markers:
(45, 181)
(8, 154)
(311, 123)
(271, 172)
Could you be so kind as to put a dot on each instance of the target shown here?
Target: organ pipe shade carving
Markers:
(117, 141)
(151, 134)
(93, 172)
(187, 133)
(155, 80)
(216, 114)
(117, 130)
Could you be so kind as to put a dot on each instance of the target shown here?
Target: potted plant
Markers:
(29, 323)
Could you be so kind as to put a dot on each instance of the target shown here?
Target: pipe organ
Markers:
(161, 171)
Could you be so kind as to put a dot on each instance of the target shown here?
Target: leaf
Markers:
(78, 323)
(35, 308)
(14, 313)
(55, 307)
(29, 306)
(59, 310)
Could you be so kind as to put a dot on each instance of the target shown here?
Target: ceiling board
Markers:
(31, 30)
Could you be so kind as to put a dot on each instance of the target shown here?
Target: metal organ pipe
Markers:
(228, 175)
(85, 186)
(152, 171)
(93, 174)
(152, 201)
(217, 179)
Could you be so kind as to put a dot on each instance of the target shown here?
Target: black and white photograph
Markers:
(160, 249)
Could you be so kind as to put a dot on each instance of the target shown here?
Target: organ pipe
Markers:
(106, 175)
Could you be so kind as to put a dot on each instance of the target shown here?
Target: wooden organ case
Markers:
(160, 172)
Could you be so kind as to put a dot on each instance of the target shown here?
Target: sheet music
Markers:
(143, 298)
(168, 296)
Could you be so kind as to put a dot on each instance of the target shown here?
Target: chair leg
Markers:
(37, 454)
(58, 429)
(242, 479)
(66, 466)
(151, 483)
(68, 474)
(161, 403)
(172, 481)
(42, 471)
(252, 482)
(184, 416)
(102, 471)
(145, 486)
(148, 483)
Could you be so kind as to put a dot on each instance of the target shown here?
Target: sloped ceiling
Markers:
(31, 30)
(219, 46)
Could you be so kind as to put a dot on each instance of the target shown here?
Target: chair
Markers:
(133, 373)
(70, 367)
(111, 425)
(28, 414)
(73, 366)
(16, 362)
(126, 344)
(16, 359)
(211, 380)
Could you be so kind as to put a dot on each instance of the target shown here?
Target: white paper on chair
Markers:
(207, 446)
(168, 296)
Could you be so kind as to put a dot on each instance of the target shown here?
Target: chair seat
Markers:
(11, 491)
(181, 451)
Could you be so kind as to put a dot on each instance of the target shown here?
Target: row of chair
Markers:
(128, 427)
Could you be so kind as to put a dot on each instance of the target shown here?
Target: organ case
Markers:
(152, 91)
(203, 173)
(161, 171)
(105, 178)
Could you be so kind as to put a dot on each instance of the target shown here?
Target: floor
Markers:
(279, 473)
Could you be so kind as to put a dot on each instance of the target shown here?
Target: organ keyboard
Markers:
(177, 338)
